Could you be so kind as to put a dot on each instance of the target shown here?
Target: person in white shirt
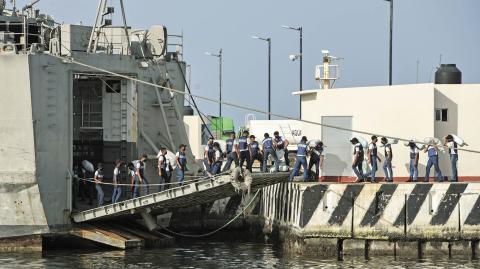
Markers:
(372, 159)
(449, 142)
(414, 157)
(387, 164)
(432, 151)
(357, 159)
(218, 159)
(117, 190)
(98, 178)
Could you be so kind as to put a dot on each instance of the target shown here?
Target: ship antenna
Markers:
(101, 22)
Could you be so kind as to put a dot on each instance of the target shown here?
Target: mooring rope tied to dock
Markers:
(152, 184)
(250, 109)
(219, 229)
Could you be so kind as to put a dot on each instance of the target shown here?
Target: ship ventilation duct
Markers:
(448, 74)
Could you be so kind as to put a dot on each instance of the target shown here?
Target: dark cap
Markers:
(275, 133)
(354, 140)
(252, 136)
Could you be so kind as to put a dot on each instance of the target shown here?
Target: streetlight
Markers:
(299, 56)
(269, 40)
(391, 43)
(219, 56)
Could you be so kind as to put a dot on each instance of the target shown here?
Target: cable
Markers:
(71, 60)
(193, 100)
(153, 184)
(219, 229)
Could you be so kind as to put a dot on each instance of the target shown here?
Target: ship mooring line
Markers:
(249, 109)
(216, 230)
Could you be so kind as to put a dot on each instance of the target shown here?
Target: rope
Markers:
(153, 184)
(219, 229)
(249, 109)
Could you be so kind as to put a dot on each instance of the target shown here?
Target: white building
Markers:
(407, 111)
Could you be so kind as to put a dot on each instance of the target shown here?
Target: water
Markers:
(214, 254)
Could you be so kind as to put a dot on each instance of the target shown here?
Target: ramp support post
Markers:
(149, 220)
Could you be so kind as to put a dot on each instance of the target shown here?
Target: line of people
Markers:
(245, 150)
(316, 154)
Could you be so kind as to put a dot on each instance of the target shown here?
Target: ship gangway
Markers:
(93, 224)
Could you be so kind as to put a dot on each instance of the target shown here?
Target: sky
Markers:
(425, 31)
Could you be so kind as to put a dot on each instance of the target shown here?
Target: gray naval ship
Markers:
(54, 113)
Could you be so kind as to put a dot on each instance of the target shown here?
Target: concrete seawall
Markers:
(367, 219)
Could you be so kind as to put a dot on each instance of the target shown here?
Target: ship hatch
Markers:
(97, 117)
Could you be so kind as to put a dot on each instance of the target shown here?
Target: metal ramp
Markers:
(192, 194)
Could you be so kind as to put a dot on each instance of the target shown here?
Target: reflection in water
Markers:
(214, 254)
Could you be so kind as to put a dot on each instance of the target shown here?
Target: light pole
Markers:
(219, 56)
(269, 41)
(391, 43)
(300, 56)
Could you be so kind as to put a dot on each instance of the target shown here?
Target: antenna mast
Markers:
(101, 22)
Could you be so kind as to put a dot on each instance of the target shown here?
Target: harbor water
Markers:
(216, 254)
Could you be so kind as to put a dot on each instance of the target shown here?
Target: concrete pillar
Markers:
(368, 243)
(421, 249)
(340, 249)
(474, 245)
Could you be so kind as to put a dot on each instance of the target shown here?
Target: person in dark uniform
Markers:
(231, 152)
(372, 159)
(316, 158)
(87, 185)
(117, 189)
(269, 149)
(244, 150)
(168, 173)
(140, 178)
(357, 159)
(218, 159)
(387, 164)
(181, 163)
(281, 144)
(162, 168)
(301, 160)
(255, 153)
(98, 178)
(208, 156)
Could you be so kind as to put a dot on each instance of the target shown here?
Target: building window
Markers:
(441, 114)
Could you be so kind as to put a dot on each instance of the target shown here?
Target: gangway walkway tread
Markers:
(192, 194)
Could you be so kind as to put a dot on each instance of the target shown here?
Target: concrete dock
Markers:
(387, 218)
